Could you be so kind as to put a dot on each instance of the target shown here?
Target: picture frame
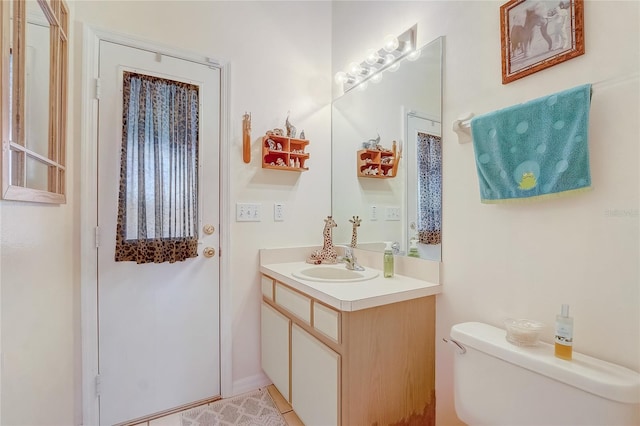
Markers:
(538, 34)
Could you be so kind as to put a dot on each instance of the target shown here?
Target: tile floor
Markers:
(285, 409)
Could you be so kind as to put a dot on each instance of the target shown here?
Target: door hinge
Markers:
(98, 385)
(97, 236)
(98, 88)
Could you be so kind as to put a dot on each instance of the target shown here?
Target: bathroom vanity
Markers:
(346, 352)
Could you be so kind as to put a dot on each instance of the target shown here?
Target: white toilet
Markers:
(498, 383)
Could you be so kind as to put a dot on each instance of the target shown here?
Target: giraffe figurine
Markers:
(328, 252)
(354, 232)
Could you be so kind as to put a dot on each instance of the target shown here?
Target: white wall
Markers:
(526, 260)
(39, 304)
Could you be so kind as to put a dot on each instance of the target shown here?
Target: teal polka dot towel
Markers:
(537, 149)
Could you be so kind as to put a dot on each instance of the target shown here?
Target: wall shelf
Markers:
(373, 163)
(284, 153)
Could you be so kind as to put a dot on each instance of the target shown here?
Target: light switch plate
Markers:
(392, 213)
(248, 212)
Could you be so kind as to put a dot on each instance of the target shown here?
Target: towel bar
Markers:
(462, 127)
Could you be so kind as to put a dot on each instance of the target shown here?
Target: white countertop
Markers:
(353, 296)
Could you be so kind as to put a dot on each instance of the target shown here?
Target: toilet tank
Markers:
(498, 383)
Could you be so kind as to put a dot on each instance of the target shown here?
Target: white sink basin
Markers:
(334, 273)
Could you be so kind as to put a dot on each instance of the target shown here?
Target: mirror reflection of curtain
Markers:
(429, 188)
(158, 203)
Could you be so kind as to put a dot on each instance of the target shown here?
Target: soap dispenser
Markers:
(413, 248)
(388, 260)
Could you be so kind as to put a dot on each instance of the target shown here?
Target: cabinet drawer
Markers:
(326, 321)
(294, 302)
(267, 287)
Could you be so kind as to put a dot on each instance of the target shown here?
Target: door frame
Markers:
(91, 38)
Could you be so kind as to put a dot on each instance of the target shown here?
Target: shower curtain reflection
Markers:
(429, 188)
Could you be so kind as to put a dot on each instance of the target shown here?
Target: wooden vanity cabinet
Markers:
(372, 366)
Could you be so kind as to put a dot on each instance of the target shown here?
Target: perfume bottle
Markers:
(564, 334)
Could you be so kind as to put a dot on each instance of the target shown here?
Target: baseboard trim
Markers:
(249, 384)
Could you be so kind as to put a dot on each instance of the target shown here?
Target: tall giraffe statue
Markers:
(328, 252)
(354, 232)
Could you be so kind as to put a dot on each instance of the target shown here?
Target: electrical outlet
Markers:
(392, 213)
(373, 213)
(278, 212)
(248, 212)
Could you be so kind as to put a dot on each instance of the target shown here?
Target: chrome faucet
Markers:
(350, 259)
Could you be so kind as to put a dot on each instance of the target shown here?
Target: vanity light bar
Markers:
(376, 61)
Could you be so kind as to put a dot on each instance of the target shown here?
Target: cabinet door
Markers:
(275, 348)
(315, 371)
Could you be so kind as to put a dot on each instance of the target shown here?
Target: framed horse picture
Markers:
(538, 34)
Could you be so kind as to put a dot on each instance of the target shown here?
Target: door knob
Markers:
(208, 229)
(209, 252)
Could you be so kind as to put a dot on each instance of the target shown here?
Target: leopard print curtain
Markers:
(158, 202)
(429, 189)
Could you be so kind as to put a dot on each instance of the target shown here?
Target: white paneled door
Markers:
(158, 324)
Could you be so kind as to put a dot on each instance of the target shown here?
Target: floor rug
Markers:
(250, 409)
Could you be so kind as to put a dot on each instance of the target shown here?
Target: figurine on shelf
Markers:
(272, 144)
(302, 135)
(278, 146)
(371, 170)
(372, 143)
(275, 132)
(280, 162)
(291, 129)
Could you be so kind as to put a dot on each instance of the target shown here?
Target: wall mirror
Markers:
(404, 106)
(34, 65)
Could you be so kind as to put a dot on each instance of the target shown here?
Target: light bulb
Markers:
(394, 67)
(377, 77)
(391, 43)
(354, 68)
(341, 77)
(372, 57)
(363, 86)
(389, 59)
(414, 55)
